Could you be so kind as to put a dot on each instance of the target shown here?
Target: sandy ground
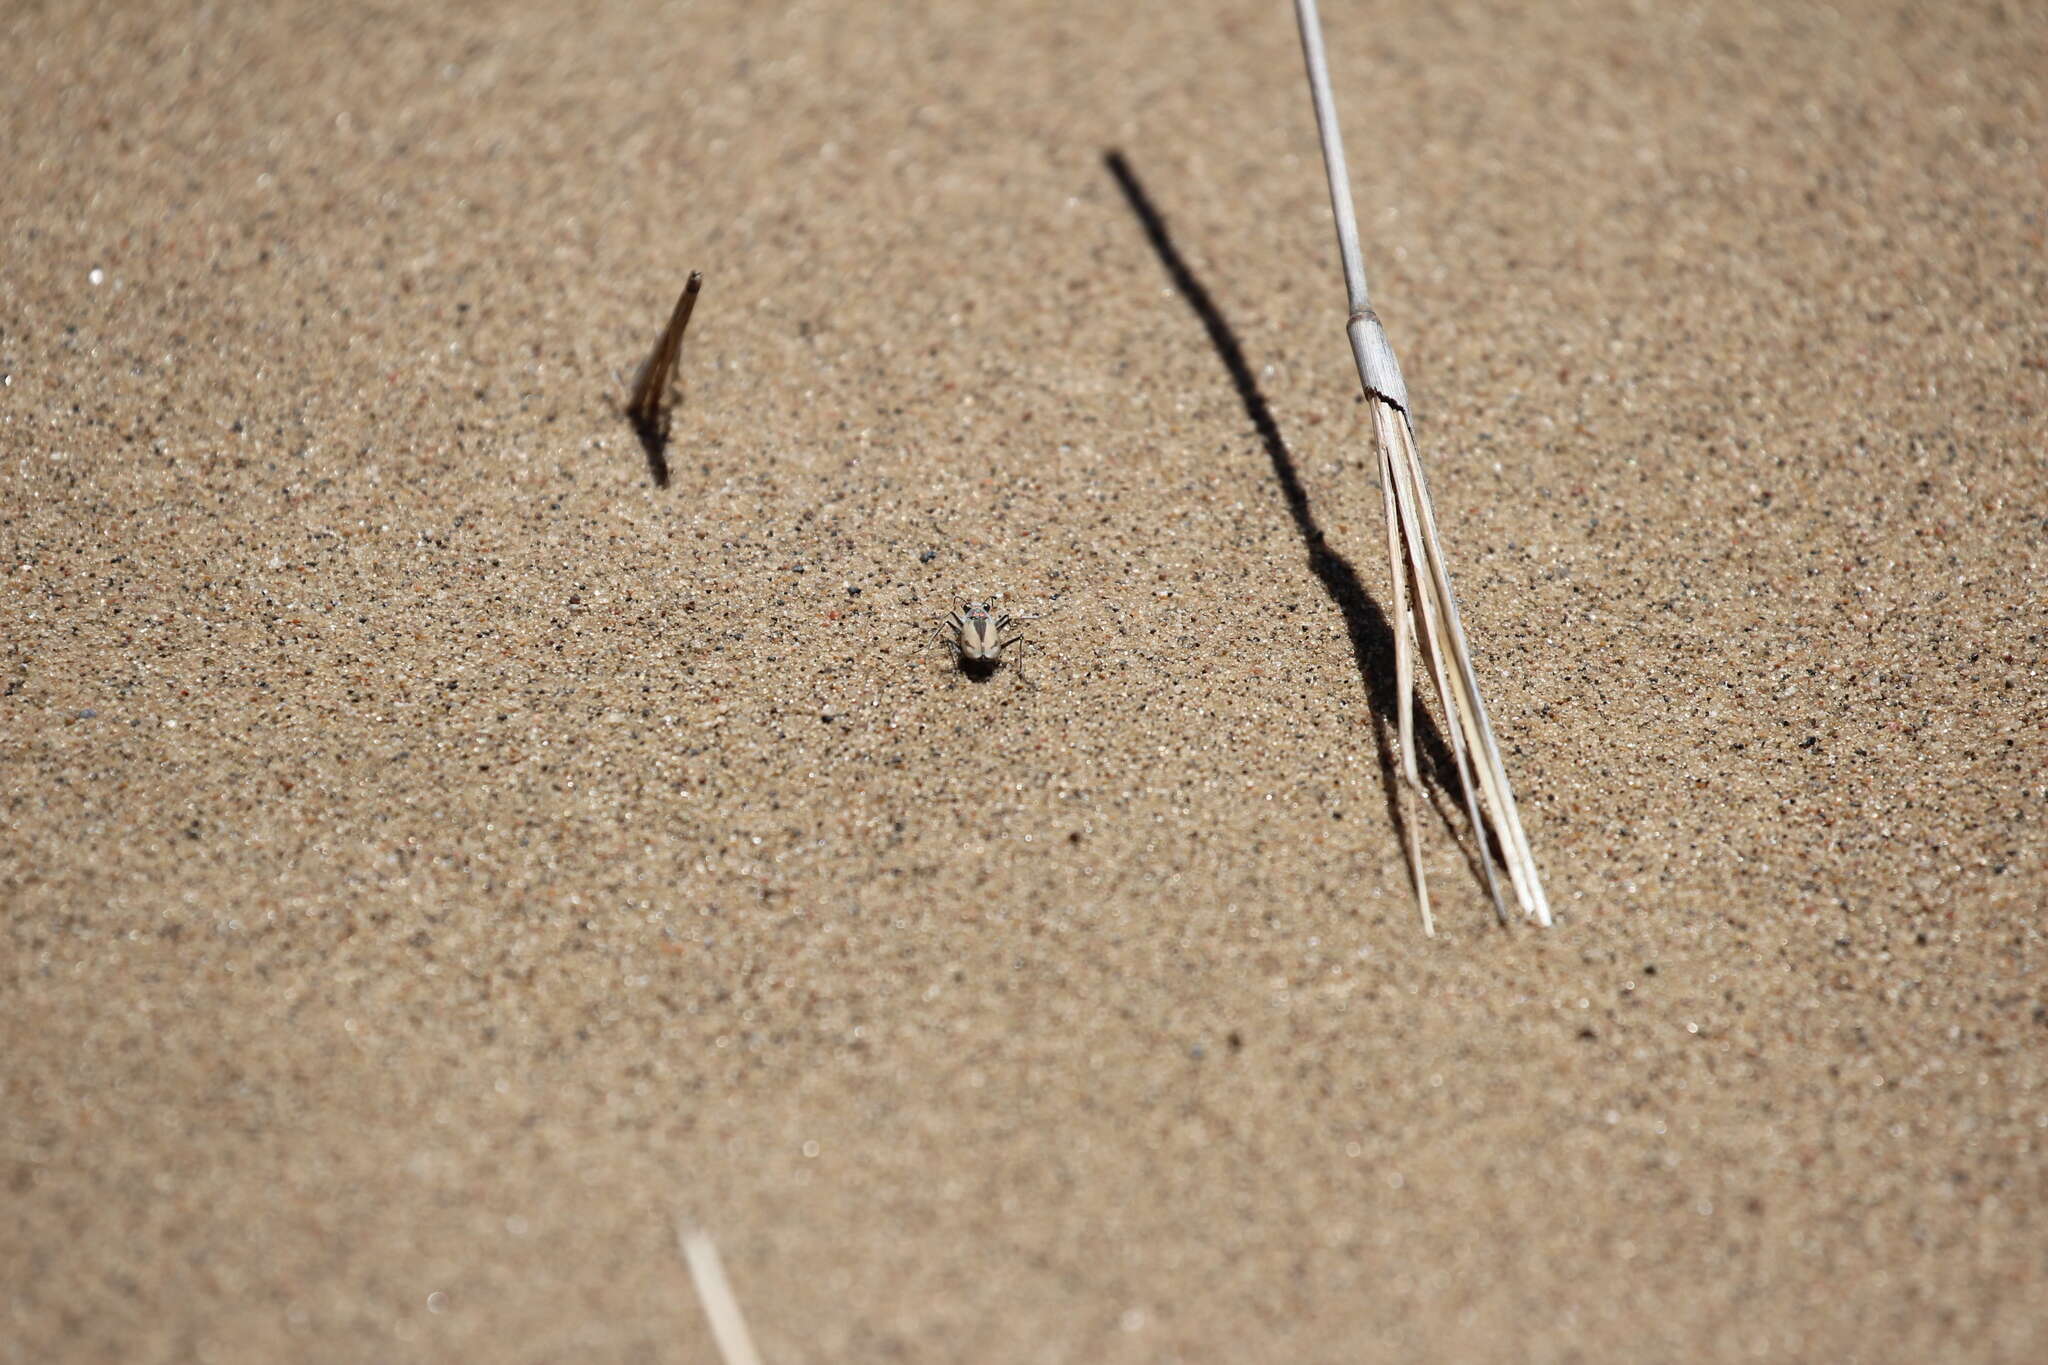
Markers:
(436, 859)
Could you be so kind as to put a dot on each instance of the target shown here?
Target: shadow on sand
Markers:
(652, 429)
(1372, 637)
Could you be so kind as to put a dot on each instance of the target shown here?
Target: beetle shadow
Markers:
(977, 670)
(1372, 637)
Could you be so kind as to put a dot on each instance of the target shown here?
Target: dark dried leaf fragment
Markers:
(648, 409)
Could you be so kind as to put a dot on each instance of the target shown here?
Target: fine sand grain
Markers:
(436, 862)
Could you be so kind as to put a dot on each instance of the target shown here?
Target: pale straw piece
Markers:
(1422, 580)
(714, 1291)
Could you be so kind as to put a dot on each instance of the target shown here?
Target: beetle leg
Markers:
(949, 628)
(1017, 641)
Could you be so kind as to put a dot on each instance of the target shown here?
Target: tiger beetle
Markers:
(978, 636)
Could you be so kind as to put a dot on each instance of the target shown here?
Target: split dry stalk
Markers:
(1422, 580)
